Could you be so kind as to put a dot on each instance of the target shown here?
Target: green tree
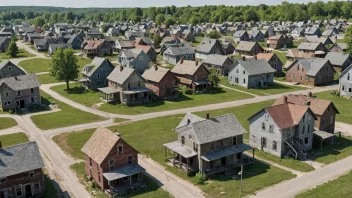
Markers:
(104, 28)
(156, 39)
(12, 50)
(250, 15)
(159, 19)
(348, 39)
(214, 34)
(39, 21)
(64, 66)
(169, 21)
(214, 77)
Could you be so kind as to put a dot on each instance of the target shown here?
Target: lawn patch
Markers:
(36, 65)
(46, 79)
(13, 139)
(21, 54)
(6, 123)
(282, 57)
(69, 116)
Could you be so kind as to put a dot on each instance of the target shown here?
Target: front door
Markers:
(2, 194)
(28, 190)
(20, 104)
(223, 162)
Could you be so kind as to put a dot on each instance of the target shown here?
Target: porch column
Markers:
(130, 181)
(321, 144)
(187, 165)
(174, 157)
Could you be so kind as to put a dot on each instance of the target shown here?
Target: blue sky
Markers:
(139, 3)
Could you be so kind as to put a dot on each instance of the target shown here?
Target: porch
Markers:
(323, 136)
(200, 86)
(136, 96)
(84, 82)
(181, 157)
(109, 94)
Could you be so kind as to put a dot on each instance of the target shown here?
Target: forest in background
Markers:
(170, 15)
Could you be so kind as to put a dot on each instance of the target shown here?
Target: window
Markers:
(266, 117)
(32, 99)
(331, 119)
(234, 140)
(90, 162)
(37, 186)
(322, 122)
(99, 177)
(301, 77)
(244, 81)
(98, 82)
(182, 139)
(195, 147)
(98, 76)
(10, 68)
(237, 70)
(349, 90)
(297, 67)
(190, 136)
(271, 129)
(263, 126)
(19, 192)
(254, 138)
(274, 145)
(6, 86)
(2, 180)
(306, 140)
(128, 85)
(304, 129)
(120, 150)
(31, 174)
(18, 93)
(32, 90)
(129, 160)
(141, 57)
(348, 76)
(212, 146)
(244, 71)
(139, 83)
(308, 128)
(7, 94)
(264, 142)
(111, 165)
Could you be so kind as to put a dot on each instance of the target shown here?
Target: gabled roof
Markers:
(245, 46)
(155, 74)
(119, 76)
(7, 62)
(94, 44)
(125, 43)
(22, 82)
(207, 44)
(89, 69)
(20, 158)
(187, 67)
(342, 46)
(345, 71)
(255, 67)
(216, 59)
(212, 129)
(265, 56)
(189, 119)
(294, 53)
(239, 33)
(337, 58)
(179, 50)
(311, 65)
(308, 46)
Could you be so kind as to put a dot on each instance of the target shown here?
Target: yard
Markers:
(6, 123)
(22, 54)
(152, 190)
(46, 79)
(275, 88)
(282, 57)
(68, 116)
(88, 98)
(13, 139)
(340, 187)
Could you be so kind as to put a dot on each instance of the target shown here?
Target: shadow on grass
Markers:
(152, 184)
(52, 189)
(328, 149)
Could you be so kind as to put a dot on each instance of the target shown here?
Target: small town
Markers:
(189, 99)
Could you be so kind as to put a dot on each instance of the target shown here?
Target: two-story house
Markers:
(192, 74)
(94, 48)
(251, 73)
(240, 35)
(21, 173)
(125, 86)
(136, 59)
(4, 43)
(219, 62)
(208, 146)
(94, 75)
(324, 110)
(314, 49)
(9, 69)
(273, 60)
(246, 48)
(345, 82)
(123, 44)
(76, 41)
(162, 81)
(339, 61)
(111, 162)
(209, 46)
(283, 130)
(174, 53)
(339, 47)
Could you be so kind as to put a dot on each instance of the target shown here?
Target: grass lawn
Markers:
(22, 54)
(340, 187)
(282, 57)
(46, 79)
(13, 139)
(6, 123)
(152, 190)
(36, 65)
(69, 116)
(270, 90)
(287, 162)
(342, 104)
(89, 98)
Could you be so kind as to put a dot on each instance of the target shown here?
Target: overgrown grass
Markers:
(13, 139)
(69, 116)
(340, 187)
(22, 54)
(6, 123)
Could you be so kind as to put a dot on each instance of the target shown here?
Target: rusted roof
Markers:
(266, 56)
(93, 44)
(155, 74)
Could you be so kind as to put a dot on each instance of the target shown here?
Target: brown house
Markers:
(21, 172)
(324, 110)
(162, 81)
(247, 48)
(277, 42)
(192, 74)
(314, 49)
(97, 48)
(273, 61)
(112, 162)
(310, 71)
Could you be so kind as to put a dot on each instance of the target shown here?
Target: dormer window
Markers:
(18, 93)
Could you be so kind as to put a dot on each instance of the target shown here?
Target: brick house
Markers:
(339, 61)
(324, 110)
(192, 74)
(111, 162)
(310, 71)
(162, 81)
(97, 48)
(21, 173)
(314, 49)
(273, 61)
(339, 47)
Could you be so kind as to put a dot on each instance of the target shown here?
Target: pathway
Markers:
(23, 45)
(226, 87)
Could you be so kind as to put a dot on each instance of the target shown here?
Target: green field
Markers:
(46, 79)
(22, 54)
(13, 139)
(6, 123)
(282, 57)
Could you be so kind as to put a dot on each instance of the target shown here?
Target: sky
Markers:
(139, 3)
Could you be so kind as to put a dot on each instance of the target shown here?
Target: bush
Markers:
(185, 90)
(94, 185)
(11, 111)
(200, 179)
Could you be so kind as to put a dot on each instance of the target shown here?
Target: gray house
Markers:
(4, 43)
(9, 69)
(95, 73)
(339, 61)
(283, 130)
(220, 62)
(345, 82)
(257, 36)
(136, 59)
(209, 46)
(240, 35)
(53, 47)
(76, 41)
(251, 73)
(19, 92)
(174, 54)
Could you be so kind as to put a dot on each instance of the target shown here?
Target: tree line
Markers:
(171, 14)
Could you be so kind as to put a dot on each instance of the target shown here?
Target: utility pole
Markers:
(241, 173)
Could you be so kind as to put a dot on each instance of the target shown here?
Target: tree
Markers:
(104, 28)
(12, 50)
(156, 39)
(348, 39)
(159, 19)
(214, 34)
(64, 66)
(250, 15)
(169, 21)
(214, 77)
(39, 21)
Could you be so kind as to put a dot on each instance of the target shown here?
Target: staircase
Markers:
(296, 149)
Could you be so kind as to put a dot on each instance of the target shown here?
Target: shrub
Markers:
(185, 90)
(200, 179)
(11, 111)
(94, 185)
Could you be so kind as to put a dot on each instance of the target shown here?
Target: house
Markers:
(208, 146)
(192, 74)
(240, 35)
(94, 75)
(19, 92)
(136, 59)
(251, 74)
(162, 82)
(9, 69)
(310, 31)
(4, 43)
(339, 47)
(314, 49)
(283, 130)
(125, 86)
(310, 71)
(315, 39)
(219, 62)
(175, 53)
(246, 48)
(209, 46)
(76, 41)
(112, 32)
(123, 44)
(43, 44)
(151, 53)
(94, 34)
(143, 41)
(53, 47)
(111, 162)
(257, 36)
(330, 32)
(227, 46)
(132, 35)
(273, 61)
(294, 53)
(31, 36)
(94, 48)
(339, 61)
(345, 82)
(21, 171)
(188, 36)
(298, 32)
(279, 41)
(324, 110)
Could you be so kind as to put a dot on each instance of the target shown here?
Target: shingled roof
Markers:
(89, 69)
(187, 67)
(311, 65)
(337, 58)
(22, 82)
(255, 67)
(216, 59)
(245, 46)
(155, 74)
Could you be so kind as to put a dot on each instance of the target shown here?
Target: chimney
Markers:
(284, 99)
(243, 58)
(181, 61)
(207, 116)
(0, 145)
(255, 57)
(310, 94)
(117, 133)
(196, 63)
(121, 68)
(156, 67)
